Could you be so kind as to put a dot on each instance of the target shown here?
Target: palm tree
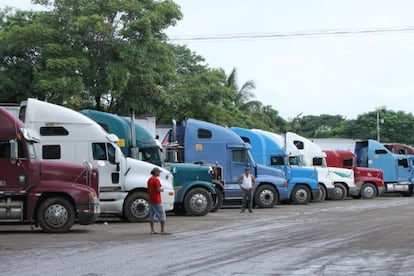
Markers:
(242, 96)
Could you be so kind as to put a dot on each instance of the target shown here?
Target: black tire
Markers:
(136, 207)
(218, 199)
(340, 191)
(368, 191)
(301, 194)
(265, 196)
(179, 209)
(409, 193)
(56, 215)
(322, 195)
(198, 202)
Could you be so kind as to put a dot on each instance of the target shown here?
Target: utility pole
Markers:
(379, 121)
(378, 127)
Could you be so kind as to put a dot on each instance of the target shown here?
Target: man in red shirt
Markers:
(156, 210)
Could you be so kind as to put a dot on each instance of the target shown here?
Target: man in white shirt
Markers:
(247, 184)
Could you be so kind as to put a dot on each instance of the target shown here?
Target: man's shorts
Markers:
(156, 212)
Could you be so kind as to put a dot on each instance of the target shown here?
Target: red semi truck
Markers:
(369, 181)
(399, 148)
(46, 194)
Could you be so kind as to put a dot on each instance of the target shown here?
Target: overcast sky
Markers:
(346, 74)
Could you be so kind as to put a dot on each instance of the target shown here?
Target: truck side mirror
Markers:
(14, 151)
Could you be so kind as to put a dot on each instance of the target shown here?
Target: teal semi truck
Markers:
(139, 144)
(195, 185)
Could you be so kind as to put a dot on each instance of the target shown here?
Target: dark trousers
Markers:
(247, 200)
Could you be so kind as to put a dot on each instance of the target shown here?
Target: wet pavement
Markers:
(350, 237)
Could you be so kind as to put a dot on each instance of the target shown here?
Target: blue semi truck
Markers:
(398, 169)
(302, 182)
(198, 141)
(282, 145)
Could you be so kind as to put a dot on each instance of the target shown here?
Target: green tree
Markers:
(322, 126)
(394, 126)
(242, 96)
(20, 44)
(196, 91)
(92, 52)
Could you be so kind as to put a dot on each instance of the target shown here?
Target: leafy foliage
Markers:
(114, 56)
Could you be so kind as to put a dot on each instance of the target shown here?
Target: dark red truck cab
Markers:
(46, 194)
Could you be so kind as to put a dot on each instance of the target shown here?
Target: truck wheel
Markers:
(301, 194)
(340, 191)
(198, 202)
(368, 191)
(56, 215)
(265, 196)
(136, 207)
(322, 195)
(409, 193)
(218, 199)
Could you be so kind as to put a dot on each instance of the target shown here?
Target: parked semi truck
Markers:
(138, 144)
(195, 184)
(302, 182)
(344, 179)
(69, 136)
(397, 169)
(202, 142)
(399, 148)
(278, 145)
(50, 195)
(370, 182)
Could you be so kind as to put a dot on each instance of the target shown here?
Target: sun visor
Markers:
(112, 138)
(239, 146)
(31, 135)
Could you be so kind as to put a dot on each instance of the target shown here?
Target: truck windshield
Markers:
(250, 159)
(32, 151)
(5, 150)
(295, 161)
(111, 153)
(151, 155)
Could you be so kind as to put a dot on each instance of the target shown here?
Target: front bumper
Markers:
(316, 193)
(381, 190)
(353, 191)
(330, 193)
(283, 193)
(88, 213)
(168, 199)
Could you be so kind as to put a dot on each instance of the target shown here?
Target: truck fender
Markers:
(183, 190)
(274, 180)
(313, 184)
(376, 181)
(219, 185)
(35, 199)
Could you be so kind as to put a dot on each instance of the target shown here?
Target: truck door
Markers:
(403, 169)
(109, 174)
(13, 177)
(384, 160)
(238, 162)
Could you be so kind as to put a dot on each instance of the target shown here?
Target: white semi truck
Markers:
(69, 136)
(312, 154)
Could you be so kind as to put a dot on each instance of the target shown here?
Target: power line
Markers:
(308, 33)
